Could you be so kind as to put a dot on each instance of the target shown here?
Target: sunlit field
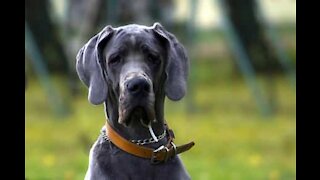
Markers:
(232, 139)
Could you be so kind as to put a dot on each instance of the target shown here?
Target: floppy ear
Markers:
(89, 69)
(177, 65)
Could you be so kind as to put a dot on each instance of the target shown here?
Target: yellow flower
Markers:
(48, 160)
(274, 175)
(69, 175)
(255, 160)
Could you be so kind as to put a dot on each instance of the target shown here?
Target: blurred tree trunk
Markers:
(250, 29)
(80, 25)
(46, 34)
(245, 19)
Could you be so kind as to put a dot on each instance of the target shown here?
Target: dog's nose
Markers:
(138, 86)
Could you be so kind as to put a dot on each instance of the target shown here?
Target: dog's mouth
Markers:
(136, 100)
(137, 114)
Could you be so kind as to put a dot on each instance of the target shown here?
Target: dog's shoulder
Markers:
(100, 158)
(103, 149)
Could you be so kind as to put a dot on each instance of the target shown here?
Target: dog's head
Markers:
(133, 65)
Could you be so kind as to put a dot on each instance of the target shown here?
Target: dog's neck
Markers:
(135, 130)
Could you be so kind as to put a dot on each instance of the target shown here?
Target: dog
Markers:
(132, 69)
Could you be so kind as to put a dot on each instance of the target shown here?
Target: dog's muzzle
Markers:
(136, 98)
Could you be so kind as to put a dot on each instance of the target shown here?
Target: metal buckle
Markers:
(153, 157)
(174, 148)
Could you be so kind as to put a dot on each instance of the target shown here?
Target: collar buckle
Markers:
(154, 156)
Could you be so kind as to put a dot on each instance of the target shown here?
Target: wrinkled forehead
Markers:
(134, 36)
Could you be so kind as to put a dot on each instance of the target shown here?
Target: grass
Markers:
(233, 141)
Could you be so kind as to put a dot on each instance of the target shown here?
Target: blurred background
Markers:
(241, 104)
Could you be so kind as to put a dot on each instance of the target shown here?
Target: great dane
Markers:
(131, 69)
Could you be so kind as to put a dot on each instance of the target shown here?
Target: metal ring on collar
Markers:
(174, 148)
(166, 156)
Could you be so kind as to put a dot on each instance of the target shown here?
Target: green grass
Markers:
(233, 141)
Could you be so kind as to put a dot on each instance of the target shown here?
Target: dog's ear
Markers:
(89, 66)
(177, 65)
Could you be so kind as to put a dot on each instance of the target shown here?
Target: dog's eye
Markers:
(154, 59)
(114, 59)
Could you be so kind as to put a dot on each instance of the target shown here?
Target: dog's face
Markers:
(134, 60)
(134, 64)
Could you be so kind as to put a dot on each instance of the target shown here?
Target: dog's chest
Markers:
(109, 161)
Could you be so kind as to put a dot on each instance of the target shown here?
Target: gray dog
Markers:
(131, 69)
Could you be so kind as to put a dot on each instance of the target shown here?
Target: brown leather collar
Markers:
(162, 154)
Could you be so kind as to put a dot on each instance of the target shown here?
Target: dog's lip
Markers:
(146, 115)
